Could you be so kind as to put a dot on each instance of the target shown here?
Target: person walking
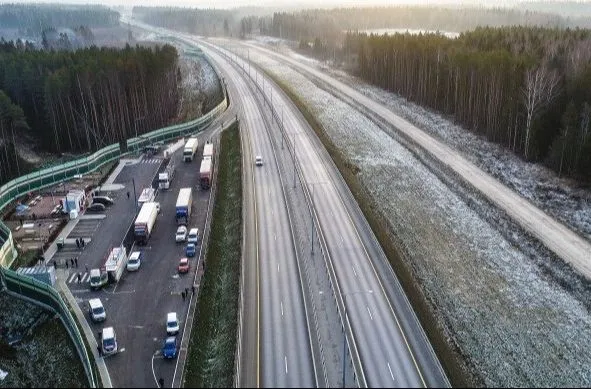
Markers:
(54, 264)
(82, 241)
(183, 295)
(86, 267)
(127, 194)
(77, 243)
(72, 262)
(79, 277)
(192, 289)
(161, 382)
(76, 262)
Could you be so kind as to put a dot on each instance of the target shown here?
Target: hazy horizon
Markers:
(279, 3)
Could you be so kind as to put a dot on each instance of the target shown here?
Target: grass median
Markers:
(210, 358)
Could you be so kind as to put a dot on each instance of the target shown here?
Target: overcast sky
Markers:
(274, 3)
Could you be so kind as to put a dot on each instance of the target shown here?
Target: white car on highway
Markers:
(258, 160)
(193, 235)
(181, 234)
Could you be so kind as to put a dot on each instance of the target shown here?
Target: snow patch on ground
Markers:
(513, 325)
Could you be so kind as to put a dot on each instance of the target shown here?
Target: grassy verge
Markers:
(210, 358)
(451, 360)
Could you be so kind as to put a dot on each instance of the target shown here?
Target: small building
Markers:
(75, 200)
(41, 273)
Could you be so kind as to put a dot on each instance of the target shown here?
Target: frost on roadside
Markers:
(513, 323)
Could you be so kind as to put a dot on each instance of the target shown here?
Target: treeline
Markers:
(526, 88)
(207, 22)
(328, 25)
(33, 19)
(87, 99)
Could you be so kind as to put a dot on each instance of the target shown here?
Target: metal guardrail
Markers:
(43, 294)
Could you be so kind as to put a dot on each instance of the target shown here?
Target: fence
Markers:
(42, 293)
(50, 176)
(46, 296)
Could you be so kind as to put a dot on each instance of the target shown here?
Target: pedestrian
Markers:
(77, 243)
(66, 263)
(54, 264)
(86, 267)
(127, 194)
(72, 262)
(82, 241)
(161, 382)
(187, 292)
(79, 277)
(76, 261)
(192, 289)
(21, 220)
(98, 349)
(183, 295)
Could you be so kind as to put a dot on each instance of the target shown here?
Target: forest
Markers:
(527, 88)
(33, 19)
(83, 100)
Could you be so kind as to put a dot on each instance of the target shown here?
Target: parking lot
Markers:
(137, 305)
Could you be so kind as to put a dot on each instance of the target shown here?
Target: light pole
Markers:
(135, 125)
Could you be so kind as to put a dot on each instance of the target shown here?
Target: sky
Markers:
(274, 3)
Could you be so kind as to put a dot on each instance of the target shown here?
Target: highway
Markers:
(556, 236)
(390, 354)
(380, 340)
(285, 354)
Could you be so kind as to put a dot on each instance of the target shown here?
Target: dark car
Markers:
(96, 207)
(104, 200)
(169, 349)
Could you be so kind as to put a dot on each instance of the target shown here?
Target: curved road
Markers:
(286, 359)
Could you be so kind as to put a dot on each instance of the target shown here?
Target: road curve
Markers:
(556, 236)
(286, 359)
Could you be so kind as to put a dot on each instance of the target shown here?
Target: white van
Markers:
(109, 341)
(172, 324)
(96, 310)
(193, 235)
(135, 261)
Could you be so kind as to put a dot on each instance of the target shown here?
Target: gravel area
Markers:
(498, 303)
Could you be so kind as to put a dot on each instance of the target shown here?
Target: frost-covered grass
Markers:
(41, 354)
(513, 324)
(210, 358)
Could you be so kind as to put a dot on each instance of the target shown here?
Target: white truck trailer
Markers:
(111, 270)
(208, 151)
(205, 173)
(190, 149)
(144, 222)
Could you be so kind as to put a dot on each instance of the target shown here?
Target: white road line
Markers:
(342, 240)
(391, 375)
(368, 311)
(354, 272)
(71, 278)
(285, 357)
(277, 268)
(85, 276)
(275, 236)
(282, 308)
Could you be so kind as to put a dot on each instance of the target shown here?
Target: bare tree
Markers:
(541, 87)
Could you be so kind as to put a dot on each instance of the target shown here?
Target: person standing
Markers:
(76, 262)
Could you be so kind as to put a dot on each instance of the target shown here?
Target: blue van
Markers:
(191, 250)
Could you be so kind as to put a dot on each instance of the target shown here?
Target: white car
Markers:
(172, 324)
(135, 261)
(193, 235)
(258, 160)
(181, 234)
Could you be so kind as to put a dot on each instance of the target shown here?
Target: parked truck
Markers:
(147, 195)
(165, 178)
(208, 151)
(190, 149)
(144, 222)
(111, 270)
(183, 205)
(205, 173)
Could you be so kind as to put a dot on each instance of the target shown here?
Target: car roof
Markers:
(194, 230)
(94, 303)
(135, 254)
(171, 316)
(108, 332)
(181, 227)
(191, 245)
(170, 339)
(184, 259)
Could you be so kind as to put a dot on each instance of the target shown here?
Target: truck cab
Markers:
(98, 278)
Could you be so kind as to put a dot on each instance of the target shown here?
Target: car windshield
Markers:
(98, 310)
(109, 342)
(95, 279)
(133, 260)
(172, 324)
